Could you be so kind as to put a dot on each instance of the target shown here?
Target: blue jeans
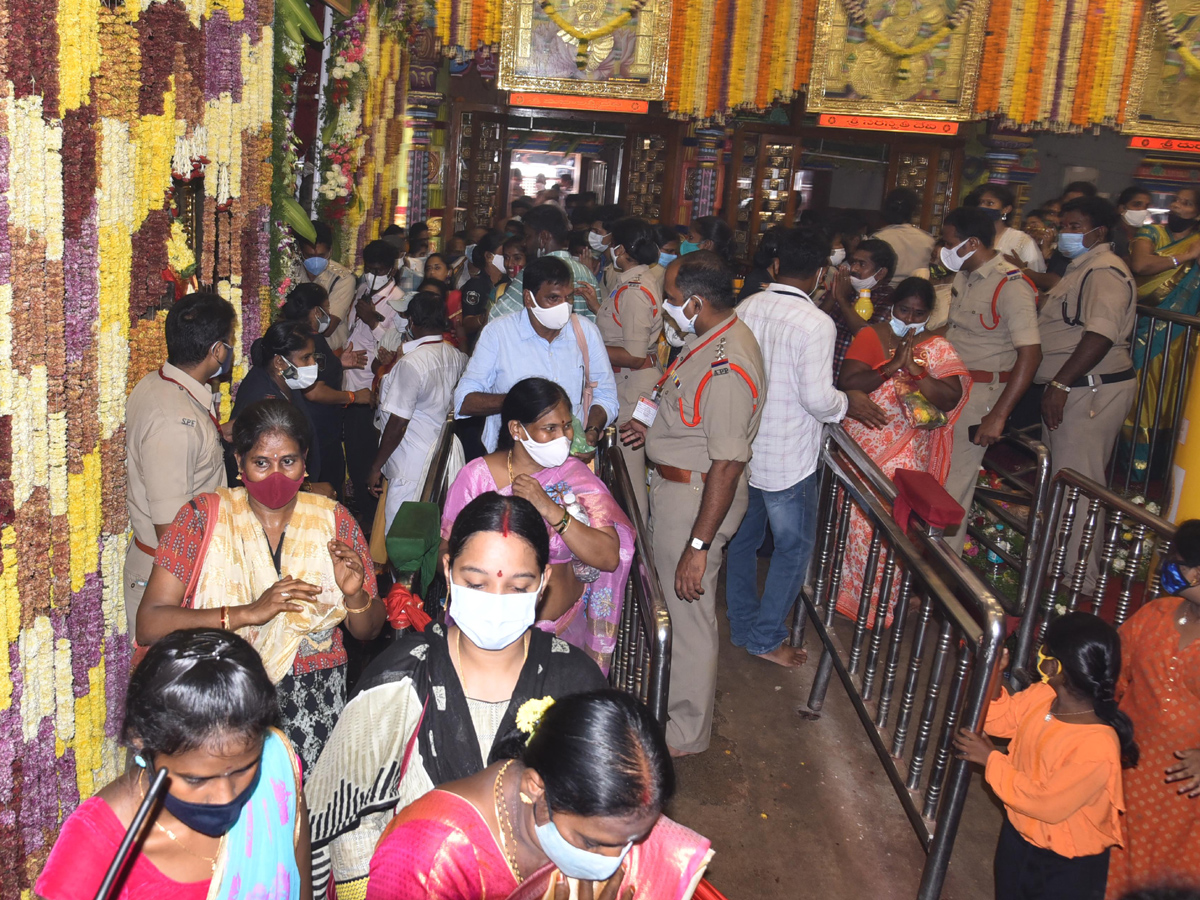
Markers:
(759, 623)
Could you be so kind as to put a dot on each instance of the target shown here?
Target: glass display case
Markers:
(762, 190)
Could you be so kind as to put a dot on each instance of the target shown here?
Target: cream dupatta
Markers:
(237, 568)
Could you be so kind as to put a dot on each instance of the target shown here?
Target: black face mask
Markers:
(1178, 223)
(212, 819)
(994, 214)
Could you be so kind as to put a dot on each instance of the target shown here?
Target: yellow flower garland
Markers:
(603, 31)
(892, 48)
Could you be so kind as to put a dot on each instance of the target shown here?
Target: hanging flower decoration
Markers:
(856, 12)
(627, 15)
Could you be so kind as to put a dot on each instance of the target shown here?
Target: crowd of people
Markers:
(482, 755)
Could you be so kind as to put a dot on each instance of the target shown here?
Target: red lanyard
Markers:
(683, 356)
(165, 377)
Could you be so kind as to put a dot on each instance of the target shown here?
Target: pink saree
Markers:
(591, 624)
(440, 847)
(896, 446)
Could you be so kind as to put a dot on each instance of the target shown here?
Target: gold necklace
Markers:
(508, 838)
(1058, 715)
(211, 860)
(510, 469)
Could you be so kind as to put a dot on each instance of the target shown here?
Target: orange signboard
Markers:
(588, 104)
(883, 123)
(1173, 145)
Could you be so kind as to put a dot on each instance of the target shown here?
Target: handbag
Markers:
(585, 401)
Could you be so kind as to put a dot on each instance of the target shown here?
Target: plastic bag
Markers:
(579, 444)
(919, 412)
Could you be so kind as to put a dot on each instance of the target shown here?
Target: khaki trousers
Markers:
(673, 509)
(137, 573)
(630, 386)
(1092, 419)
(966, 458)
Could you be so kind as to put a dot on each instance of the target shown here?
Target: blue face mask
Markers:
(227, 365)
(665, 258)
(1170, 576)
(1071, 244)
(686, 247)
(315, 265)
(573, 861)
(212, 819)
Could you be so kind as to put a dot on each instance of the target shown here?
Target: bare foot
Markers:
(786, 656)
(678, 754)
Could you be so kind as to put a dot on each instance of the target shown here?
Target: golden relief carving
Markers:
(537, 55)
(852, 74)
(1164, 99)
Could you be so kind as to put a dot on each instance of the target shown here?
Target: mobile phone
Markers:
(971, 432)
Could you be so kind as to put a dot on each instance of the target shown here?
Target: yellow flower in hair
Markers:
(529, 716)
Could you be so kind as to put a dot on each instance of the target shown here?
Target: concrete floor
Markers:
(801, 808)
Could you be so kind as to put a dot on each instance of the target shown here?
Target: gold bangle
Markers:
(224, 618)
(568, 520)
(362, 609)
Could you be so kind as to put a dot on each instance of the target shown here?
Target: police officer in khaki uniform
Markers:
(1086, 324)
(173, 447)
(704, 418)
(630, 321)
(993, 328)
(338, 281)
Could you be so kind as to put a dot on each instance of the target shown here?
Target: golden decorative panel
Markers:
(1164, 100)
(536, 55)
(853, 74)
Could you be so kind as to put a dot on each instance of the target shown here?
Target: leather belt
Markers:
(983, 377)
(1112, 378)
(149, 551)
(679, 476)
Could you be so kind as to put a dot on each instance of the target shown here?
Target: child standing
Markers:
(1060, 781)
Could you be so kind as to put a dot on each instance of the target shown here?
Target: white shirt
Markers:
(797, 342)
(366, 338)
(420, 388)
(1023, 247)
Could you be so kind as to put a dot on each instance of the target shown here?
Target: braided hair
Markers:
(1089, 651)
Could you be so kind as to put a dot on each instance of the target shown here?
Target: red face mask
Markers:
(275, 491)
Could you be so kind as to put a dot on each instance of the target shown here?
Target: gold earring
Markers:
(525, 798)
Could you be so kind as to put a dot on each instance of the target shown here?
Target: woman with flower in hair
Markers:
(435, 706)
(574, 808)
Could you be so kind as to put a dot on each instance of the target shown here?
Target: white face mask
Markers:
(548, 455)
(674, 338)
(555, 318)
(492, 621)
(864, 284)
(686, 325)
(498, 263)
(950, 258)
(304, 378)
(376, 283)
(596, 241)
(900, 328)
(612, 251)
(837, 256)
(1136, 217)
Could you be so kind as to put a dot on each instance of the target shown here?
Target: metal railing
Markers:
(641, 662)
(1073, 570)
(1142, 462)
(1027, 485)
(435, 487)
(946, 618)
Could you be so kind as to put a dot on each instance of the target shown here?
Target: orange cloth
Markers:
(1159, 690)
(1060, 783)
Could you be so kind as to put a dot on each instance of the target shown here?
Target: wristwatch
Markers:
(1060, 386)
(697, 544)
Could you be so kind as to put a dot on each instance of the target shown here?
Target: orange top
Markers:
(1060, 783)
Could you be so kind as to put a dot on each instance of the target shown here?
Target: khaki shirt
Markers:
(630, 319)
(913, 248)
(340, 283)
(172, 448)
(711, 402)
(985, 335)
(1096, 294)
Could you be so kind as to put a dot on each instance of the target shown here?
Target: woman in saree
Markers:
(1159, 689)
(1163, 259)
(201, 706)
(881, 357)
(433, 707)
(577, 804)
(591, 538)
(279, 565)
